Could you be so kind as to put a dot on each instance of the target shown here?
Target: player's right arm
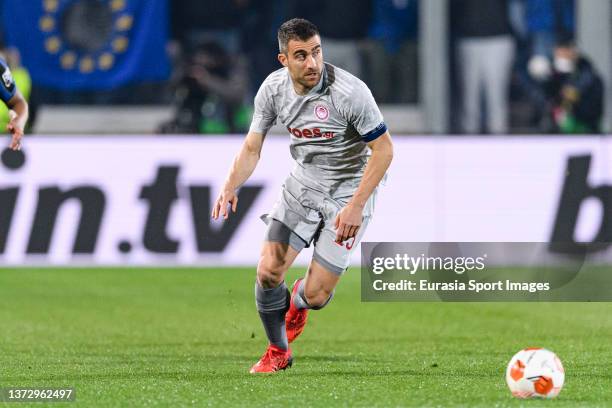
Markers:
(242, 167)
(264, 116)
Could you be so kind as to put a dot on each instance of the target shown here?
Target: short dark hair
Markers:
(295, 29)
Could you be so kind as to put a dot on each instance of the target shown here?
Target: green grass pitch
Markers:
(187, 337)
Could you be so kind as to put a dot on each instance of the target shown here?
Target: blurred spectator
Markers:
(485, 52)
(544, 21)
(343, 24)
(210, 91)
(21, 77)
(194, 22)
(575, 92)
(392, 53)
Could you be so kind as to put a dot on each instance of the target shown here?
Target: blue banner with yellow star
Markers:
(89, 44)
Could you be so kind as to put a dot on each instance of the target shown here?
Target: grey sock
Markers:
(300, 300)
(272, 304)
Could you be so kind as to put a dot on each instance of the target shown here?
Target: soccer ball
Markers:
(535, 372)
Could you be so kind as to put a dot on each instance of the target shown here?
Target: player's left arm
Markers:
(18, 117)
(348, 220)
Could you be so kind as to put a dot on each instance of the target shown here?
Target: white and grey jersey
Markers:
(329, 127)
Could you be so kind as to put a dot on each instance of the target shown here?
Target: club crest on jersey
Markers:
(7, 78)
(321, 112)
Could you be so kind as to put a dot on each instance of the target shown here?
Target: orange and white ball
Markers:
(535, 372)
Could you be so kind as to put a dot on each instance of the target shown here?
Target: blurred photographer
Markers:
(210, 89)
(574, 90)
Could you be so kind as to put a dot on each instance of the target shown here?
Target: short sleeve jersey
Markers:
(329, 127)
(7, 88)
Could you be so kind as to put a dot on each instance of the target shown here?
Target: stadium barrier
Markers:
(144, 119)
(147, 200)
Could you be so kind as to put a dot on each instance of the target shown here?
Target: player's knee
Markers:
(318, 299)
(270, 272)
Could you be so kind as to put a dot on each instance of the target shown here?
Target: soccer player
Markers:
(18, 107)
(328, 198)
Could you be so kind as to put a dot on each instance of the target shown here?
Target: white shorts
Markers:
(309, 217)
